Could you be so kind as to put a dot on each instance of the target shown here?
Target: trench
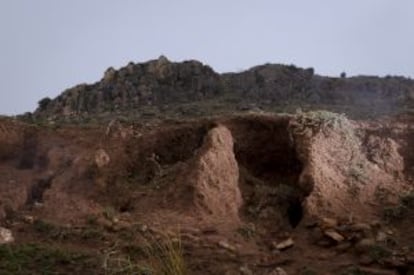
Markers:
(270, 171)
(37, 190)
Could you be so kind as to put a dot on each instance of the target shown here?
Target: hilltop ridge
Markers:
(191, 88)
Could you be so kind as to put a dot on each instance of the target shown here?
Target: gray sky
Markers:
(47, 46)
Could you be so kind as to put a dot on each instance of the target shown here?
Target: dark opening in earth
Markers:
(295, 212)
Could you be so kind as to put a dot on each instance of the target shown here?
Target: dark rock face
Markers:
(164, 83)
(278, 83)
(153, 83)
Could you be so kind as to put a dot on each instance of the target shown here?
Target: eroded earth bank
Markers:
(311, 193)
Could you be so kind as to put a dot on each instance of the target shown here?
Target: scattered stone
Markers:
(328, 223)
(343, 228)
(381, 237)
(390, 232)
(37, 204)
(332, 234)
(28, 219)
(6, 236)
(365, 244)
(244, 270)
(101, 158)
(288, 243)
(360, 227)
(227, 246)
(278, 271)
(143, 228)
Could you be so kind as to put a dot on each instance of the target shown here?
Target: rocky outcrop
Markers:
(290, 84)
(152, 83)
(163, 85)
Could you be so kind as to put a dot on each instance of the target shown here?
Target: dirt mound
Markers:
(340, 177)
(213, 176)
(274, 168)
(43, 167)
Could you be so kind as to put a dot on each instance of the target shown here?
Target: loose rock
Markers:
(244, 270)
(226, 246)
(381, 237)
(288, 243)
(6, 236)
(28, 219)
(365, 244)
(278, 271)
(332, 234)
(328, 223)
(101, 158)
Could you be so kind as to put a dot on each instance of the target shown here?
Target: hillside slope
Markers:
(191, 88)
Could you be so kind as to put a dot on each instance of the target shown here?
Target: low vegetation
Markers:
(401, 210)
(43, 259)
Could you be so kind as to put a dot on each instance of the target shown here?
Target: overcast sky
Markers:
(47, 46)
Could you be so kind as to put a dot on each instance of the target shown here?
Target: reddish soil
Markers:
(232, 188)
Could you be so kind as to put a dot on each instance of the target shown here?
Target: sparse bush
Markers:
(352, 270)
(115, 263)
(43, 259)
(247, 231)
(43, 103)
(321, 121)
(408, 200)
(109, 213)
(43, 227)
(163, 256)
(315, 122)
(399, 211)
(377, 253)
(308, 271)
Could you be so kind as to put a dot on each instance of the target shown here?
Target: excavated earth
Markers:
(312, 193)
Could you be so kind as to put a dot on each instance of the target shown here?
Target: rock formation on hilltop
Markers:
(163, 85)
(152, 83)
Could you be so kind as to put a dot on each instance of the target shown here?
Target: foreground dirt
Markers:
(313, 193)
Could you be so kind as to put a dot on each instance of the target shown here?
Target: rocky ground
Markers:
(258, 193)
